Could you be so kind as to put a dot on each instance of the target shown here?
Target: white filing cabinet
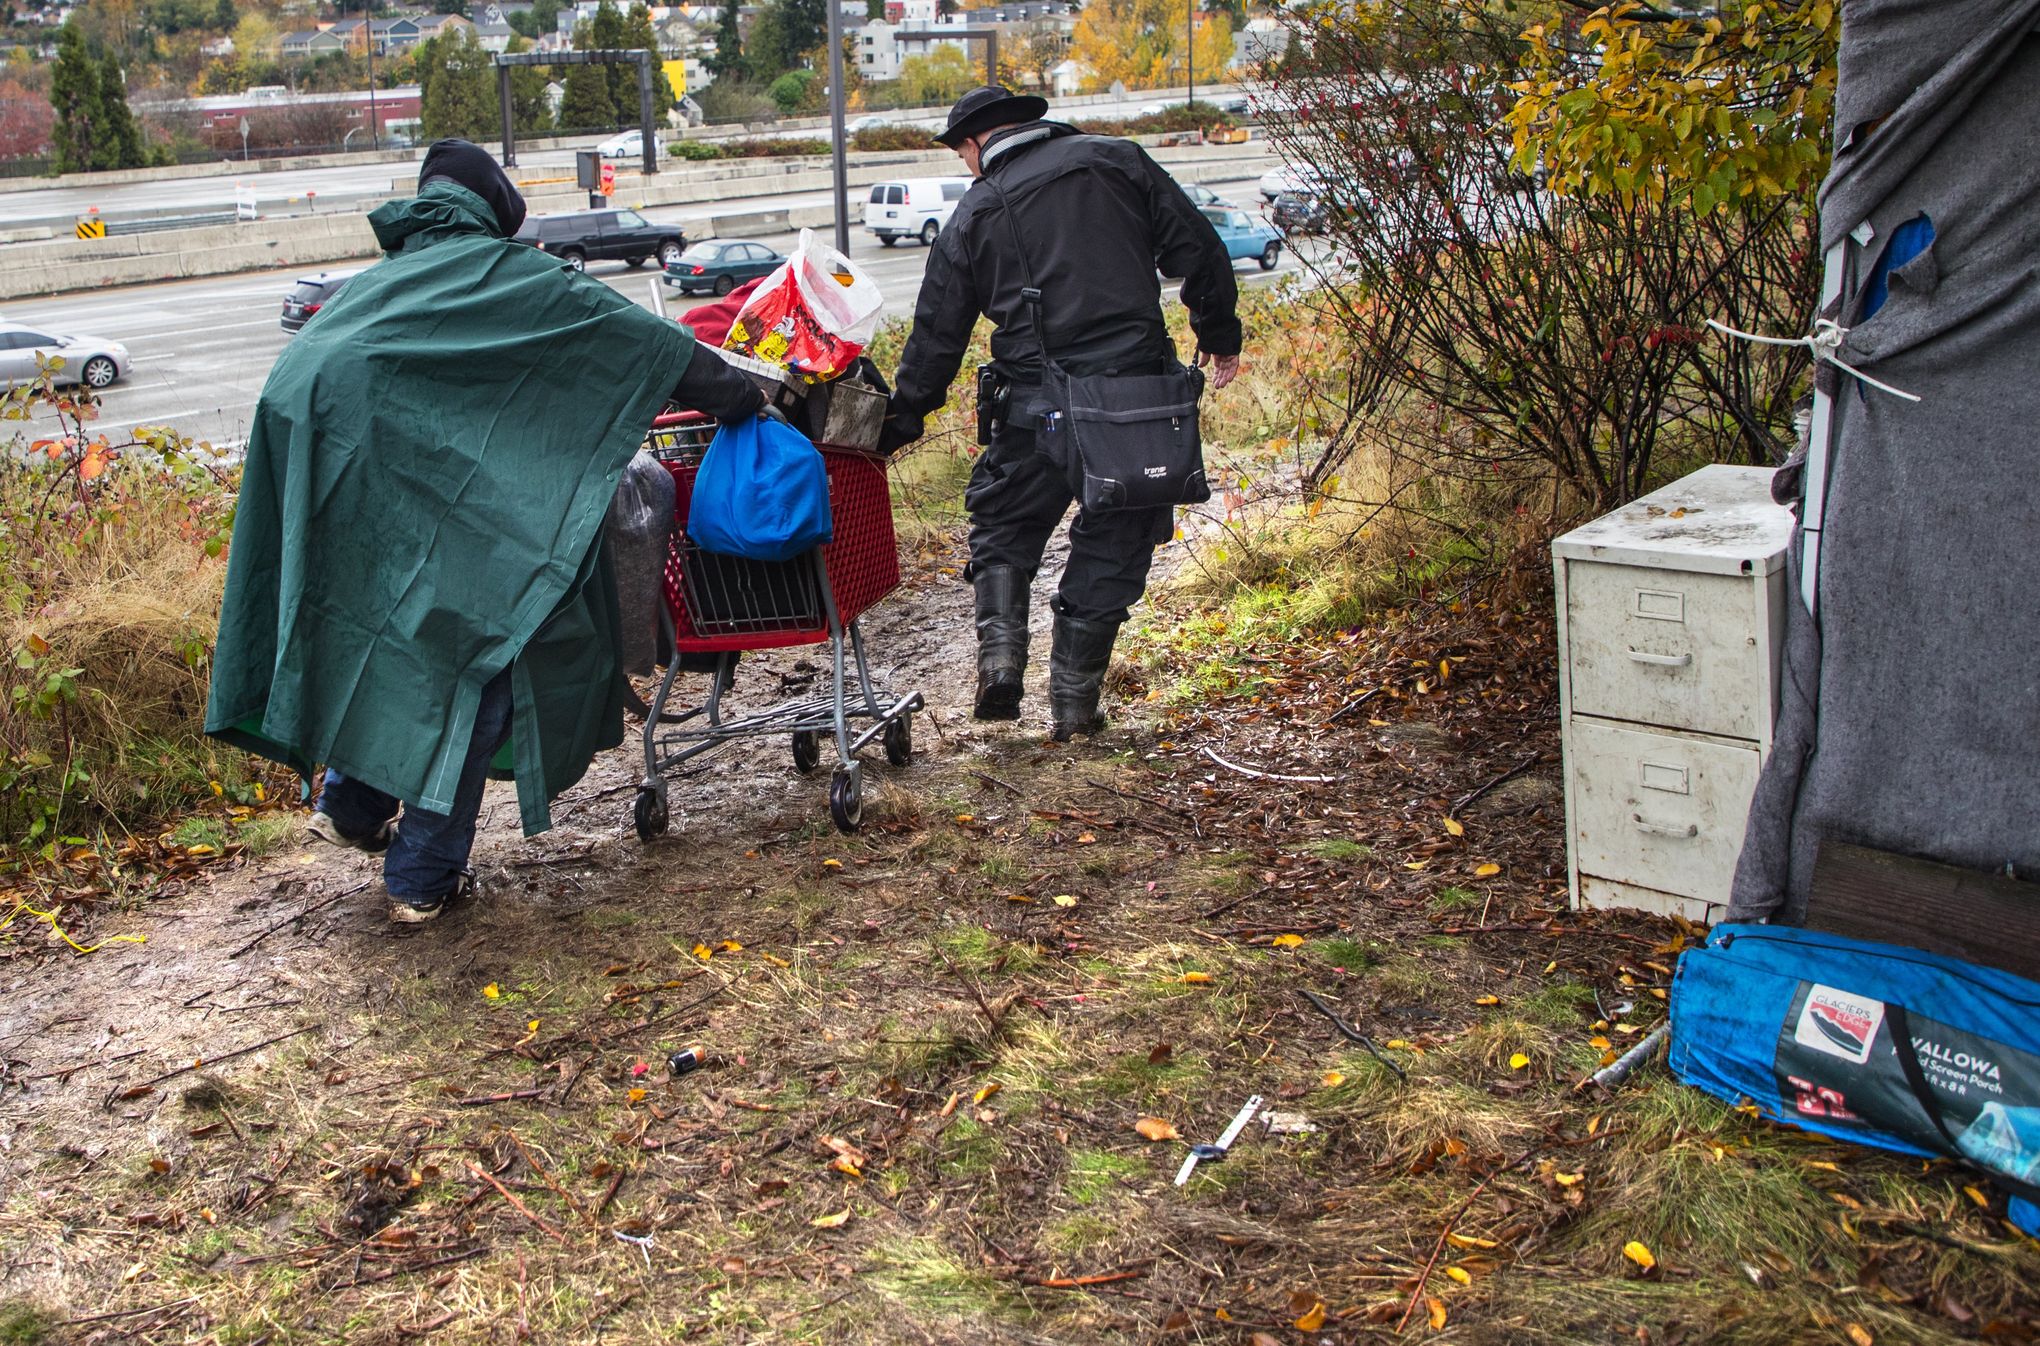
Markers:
(1670, 617)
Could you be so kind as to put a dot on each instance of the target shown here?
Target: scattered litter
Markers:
(685, 1061)
(1215, 1153)
(1619, 1070)
(1288, 1123)
(643, 1245)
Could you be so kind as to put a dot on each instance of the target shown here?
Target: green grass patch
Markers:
(1343, 849)
(1456, 899)
(923, 1277)
(1558, 1003)
(23, 1325)
(1350, 954)
(1096, 1174)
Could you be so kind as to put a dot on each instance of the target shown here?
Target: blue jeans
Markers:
(429, 857)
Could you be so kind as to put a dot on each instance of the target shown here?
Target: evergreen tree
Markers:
(639, 36)
(607, 32)
(586, 104)
(786, 34)
(457, 87)
(728, 61)
(529, 111)
(119, 143)
(74, 95)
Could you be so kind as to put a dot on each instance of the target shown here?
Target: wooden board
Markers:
(1892, 899)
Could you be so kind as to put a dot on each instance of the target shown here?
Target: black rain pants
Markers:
(1017, 496)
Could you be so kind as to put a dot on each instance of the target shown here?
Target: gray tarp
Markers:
(1910, 717)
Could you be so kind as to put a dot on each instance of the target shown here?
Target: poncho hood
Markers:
(439, 210)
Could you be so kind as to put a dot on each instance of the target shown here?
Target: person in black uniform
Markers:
(1095, 216)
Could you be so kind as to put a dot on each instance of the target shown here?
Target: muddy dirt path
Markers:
(304, 931)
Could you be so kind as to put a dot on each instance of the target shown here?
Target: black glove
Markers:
(772, 413)
(902, 427)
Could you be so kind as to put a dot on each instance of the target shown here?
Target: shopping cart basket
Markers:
(720, 606)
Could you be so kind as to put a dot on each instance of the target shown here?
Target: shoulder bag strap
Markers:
(1030, 294)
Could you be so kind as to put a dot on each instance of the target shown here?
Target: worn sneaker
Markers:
(418, 910)
(321, 827)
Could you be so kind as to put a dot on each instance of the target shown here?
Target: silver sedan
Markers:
(92, 361)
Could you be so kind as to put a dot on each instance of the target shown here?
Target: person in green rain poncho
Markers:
(416, 576)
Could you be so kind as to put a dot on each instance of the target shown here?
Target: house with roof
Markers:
(307, 43)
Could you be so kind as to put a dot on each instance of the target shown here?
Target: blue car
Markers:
(1245, 236)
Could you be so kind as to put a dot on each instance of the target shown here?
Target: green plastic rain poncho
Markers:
(426, 481)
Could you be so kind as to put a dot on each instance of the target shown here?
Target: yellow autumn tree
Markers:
(1142, 43)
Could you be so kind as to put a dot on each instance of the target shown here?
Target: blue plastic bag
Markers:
(1872, 1043)
(762, 492)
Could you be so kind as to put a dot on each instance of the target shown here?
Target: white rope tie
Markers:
(1823, 343)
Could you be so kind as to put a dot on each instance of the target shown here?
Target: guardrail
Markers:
(161, 222)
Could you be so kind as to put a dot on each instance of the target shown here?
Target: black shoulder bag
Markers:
(1125, 441)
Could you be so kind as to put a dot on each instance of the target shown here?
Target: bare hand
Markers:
(1224, 368)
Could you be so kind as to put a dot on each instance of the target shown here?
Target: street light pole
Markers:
(1190, 57)
(368, 33)
(842, 171)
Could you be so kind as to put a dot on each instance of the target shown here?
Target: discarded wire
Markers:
(1351, 1033)
(1266, 775)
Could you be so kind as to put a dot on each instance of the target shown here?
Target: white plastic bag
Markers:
(814, 315)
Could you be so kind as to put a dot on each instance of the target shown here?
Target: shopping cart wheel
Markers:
(807, 751)
(650, 813)
(846, 797)
(899, 740)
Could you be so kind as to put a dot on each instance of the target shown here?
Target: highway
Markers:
(295, 191)
(202, 348)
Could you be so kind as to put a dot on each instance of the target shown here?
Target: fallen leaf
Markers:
(637, 1095)
(843, 1165)
(966, 818)
(1397, 1044)
(1161, 1052)
(1518, 1060)
(1640, 1254)
(1064, 900)
(1455, 827)
(1470, 1241)
(1599, 1043)
(1487, 1000)
(1415, 864)
(1977, 1196)
(731, 946)
(1551, 967)
(950, 1106)
(1312, 1318)
(775, 960)
(1332, 1079)
(1086, 839)
(1460, 1274)
(1018, 897)
(836, 1221)
(159, 1165)
(1196, 978)
(703, 952)
(1154, 1128)
(492, 992)
(1858, 1334)
(1570, 1179)
(1438, 1314)
(1286, 941)
(1259, 1338)
(986, 1092)
(1488, 871)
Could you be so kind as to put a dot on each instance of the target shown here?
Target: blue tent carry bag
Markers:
(762, 493)
(1872, 1043)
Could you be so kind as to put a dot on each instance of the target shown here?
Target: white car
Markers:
(92, 361)
(870, 121)
(624, 145)
(1276, 181)
(1157, 109)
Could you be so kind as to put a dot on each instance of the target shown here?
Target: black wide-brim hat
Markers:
(986, 107)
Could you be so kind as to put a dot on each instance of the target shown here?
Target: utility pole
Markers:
(842, 173)
(374, 122)
(1190, 56)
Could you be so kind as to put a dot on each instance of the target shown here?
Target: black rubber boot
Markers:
(1002, 594)
(1076, 673)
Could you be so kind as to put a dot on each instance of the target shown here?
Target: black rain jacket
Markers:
(1097, 217)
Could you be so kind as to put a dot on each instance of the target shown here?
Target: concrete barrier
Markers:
(60, 265)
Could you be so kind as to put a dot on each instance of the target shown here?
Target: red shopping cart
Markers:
(720, 606)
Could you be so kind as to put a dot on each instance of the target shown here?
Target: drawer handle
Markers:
(1661, 660)
(1644, 824)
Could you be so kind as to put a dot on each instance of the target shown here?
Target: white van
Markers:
(914, 208)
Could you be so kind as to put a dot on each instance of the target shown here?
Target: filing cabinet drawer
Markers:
(1667, 647)
(1656, 810)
